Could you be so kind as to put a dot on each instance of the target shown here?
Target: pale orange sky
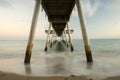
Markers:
(102, 18)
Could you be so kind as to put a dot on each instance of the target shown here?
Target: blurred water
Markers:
(60, 61)
(98, 46)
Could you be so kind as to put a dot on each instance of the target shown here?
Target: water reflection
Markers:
(27, 69)
(50, 65)
(56, 65)
(89, 65)
(59, 47)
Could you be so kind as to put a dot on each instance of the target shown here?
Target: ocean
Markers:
(61, 61)
(16, 48)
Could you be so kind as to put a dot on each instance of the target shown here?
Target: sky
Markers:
(101, 17)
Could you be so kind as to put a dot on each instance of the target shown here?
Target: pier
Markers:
(58, 13)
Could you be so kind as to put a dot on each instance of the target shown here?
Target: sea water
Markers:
(16, 48)
(59, 60)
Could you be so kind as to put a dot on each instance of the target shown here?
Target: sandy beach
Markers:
(11, 76)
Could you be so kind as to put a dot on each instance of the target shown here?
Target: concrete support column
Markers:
(66, 38)
(69, 38)
(32, 32)
(55, 38)
(48, 36)
(84, 32)
(63, 38)
(52, 39)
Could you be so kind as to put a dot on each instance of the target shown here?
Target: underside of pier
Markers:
(58, 12)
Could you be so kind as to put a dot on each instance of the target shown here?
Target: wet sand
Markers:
(11, 76)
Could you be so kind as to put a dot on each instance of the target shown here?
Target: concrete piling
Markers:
(69, 38)
(84, 32)
(48, 36)
(32, 32)
(66, 39)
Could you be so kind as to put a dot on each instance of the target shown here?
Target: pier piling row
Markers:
(58, 12)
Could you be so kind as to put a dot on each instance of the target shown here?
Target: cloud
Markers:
(91, 7)
(5, 3)
(113, 5)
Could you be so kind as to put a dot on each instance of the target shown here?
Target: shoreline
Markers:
(61, 64)
(12, 76)
(67, 67)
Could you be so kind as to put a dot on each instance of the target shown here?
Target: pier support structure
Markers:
(84, 32)
(55, 38)
(63, 38)
(52, 32)
(48, 36)
(70, 41)
(32, 32)
(66, 38)
(51, 41)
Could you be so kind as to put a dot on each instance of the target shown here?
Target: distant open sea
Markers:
(16, 48)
